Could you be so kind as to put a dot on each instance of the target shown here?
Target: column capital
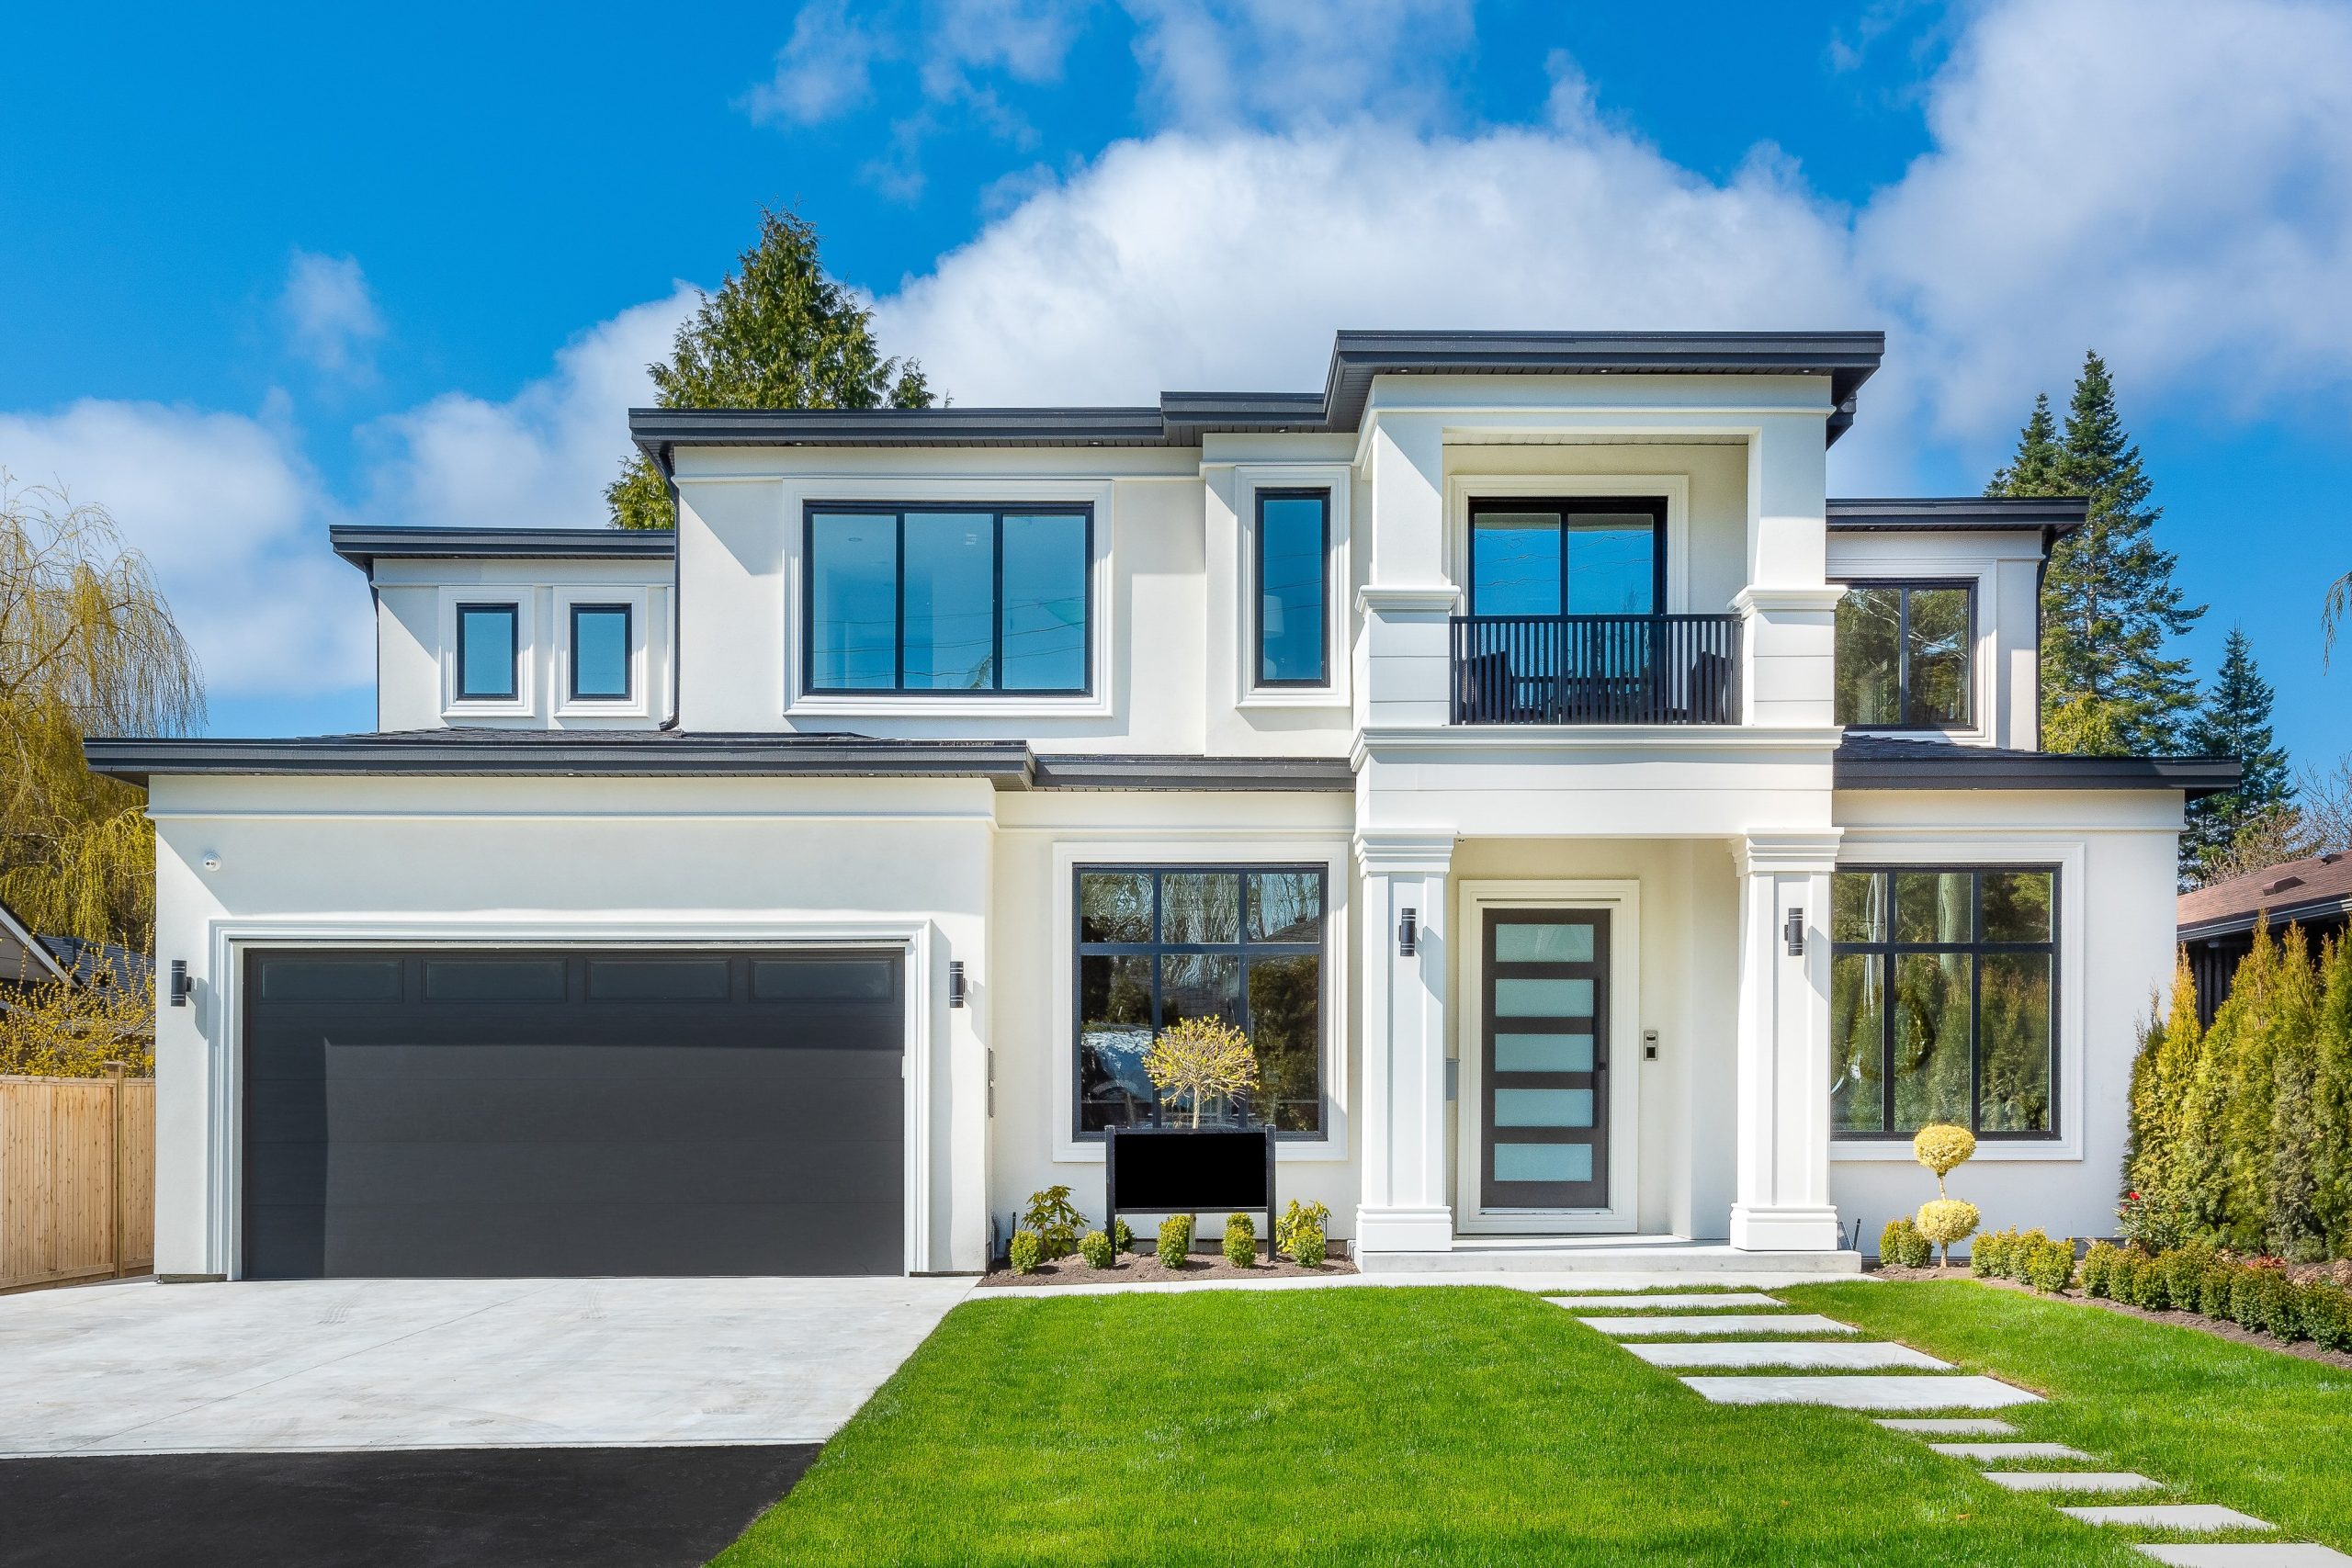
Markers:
(1411, 852)
(1408, 598)
(1788, 854)
(1761, 599)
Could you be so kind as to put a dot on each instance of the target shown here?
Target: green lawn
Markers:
(2252, 1429)
(1420, 1426)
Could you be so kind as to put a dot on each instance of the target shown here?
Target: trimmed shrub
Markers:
(2327, 1314)
(2184, 1267)
(1943, 1148)
(1947, 1220)
(2050, 1268)
(1024, 1251)
(1307, 1245)
(2213, 1290)
(2152, 1285)
(1240, 1241)
(1901, 1244)
(1175, 1239)
(1054, 1219)
(2250, 1297)
(2019, 1252)
(1096, 1248)
(1286, 1228)
(1123, 1237)
(1988, 1254)
(2098, 1266)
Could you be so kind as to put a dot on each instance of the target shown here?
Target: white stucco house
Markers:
(1611, 840)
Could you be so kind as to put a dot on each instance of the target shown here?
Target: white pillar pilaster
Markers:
(1781, 1198)
(1403, 1206)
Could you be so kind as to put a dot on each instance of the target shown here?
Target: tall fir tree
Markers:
(778, 334)
(2234, 721)
(2108, 602)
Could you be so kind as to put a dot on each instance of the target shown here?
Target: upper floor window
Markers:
(489, 652)
(948, 599)
(1587, 556)
(1293, 542)
(1903, 655)
(600, 650)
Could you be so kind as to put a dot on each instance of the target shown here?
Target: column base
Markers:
(1784, 1229)
(1404, 1230)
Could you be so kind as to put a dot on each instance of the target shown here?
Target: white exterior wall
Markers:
(2005, 569)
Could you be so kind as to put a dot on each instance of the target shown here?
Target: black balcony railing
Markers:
(1596, 669)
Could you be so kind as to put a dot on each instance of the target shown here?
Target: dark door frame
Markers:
(1589, 1194)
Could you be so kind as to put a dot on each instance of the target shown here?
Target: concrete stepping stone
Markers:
(1721, 1302)
(1721, 1323)
(1988, 1454)
(1763, 1353)
(2070, 1480)
(2170, 1516)
(2259, 1554)
(1886, 1392)
(1948, 1426)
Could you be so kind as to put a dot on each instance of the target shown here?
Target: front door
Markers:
(1543, 1039)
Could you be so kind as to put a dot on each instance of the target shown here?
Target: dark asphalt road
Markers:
(438, 1509)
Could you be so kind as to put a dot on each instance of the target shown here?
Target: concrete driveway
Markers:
(326, 1365)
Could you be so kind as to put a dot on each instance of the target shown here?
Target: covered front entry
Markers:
(1544, 1043)
(475, 1113)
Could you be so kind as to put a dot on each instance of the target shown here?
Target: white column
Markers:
(1781, 1202)
(1403, 1205)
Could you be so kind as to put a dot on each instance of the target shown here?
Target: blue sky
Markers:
(314, 265)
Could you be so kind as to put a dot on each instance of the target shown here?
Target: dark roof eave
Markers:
(364, 545)
(2052, 516)
(1955, 766)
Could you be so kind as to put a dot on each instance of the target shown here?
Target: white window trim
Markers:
(1984, 662)
(1622, 898)
(1249, 479)
(226, 940)
(1865, 848)
(525, 703)
(1011, 491)
(638, 704)
(1462, 488)
(1332, 854)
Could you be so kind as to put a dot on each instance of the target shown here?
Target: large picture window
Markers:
(1161, 943)
(1943, 990)
(1903, 650)
(1293, 541)
(1586, 556)
(939, 599)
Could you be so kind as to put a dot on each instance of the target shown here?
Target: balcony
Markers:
(1595, 669)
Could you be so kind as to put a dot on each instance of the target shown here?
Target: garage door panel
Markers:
(401, 1120)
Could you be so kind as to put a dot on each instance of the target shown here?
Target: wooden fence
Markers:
(77, 1178)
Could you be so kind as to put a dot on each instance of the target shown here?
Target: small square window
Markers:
(600, 652)
(488, 649)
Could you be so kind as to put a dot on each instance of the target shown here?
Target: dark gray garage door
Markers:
(443, 1113)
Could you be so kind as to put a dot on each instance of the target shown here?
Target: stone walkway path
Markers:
(1702, 1331)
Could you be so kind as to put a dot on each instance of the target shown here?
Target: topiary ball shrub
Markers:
(1095, 1248)
(1307, 1245)
(1240, 1241)
(1943, 1148)
(1123, 1237)
(1175, 1239)
(1947, 1220)
(2050, 1267)
(1901, 1245)
(1024, 1251)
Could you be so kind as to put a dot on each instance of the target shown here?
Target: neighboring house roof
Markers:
(363, 546)
(2051, 516)
(100, 963)
(2319, 887)
(1182, 418)
(1879, 762)
(24, 958)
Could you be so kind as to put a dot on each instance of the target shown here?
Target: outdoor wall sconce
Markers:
(1409, 932)
(955, 982)
(179, 982)
(1795, 932)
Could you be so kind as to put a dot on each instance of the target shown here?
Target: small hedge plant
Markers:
(2254, 1294)
(1095, 1248)
(1122, 1238)
(1901, 1245)
(1024, 1251)
(1296, 1217)
(1240, 1241)
(1175, 1239)
(1054, 1219)
(1307, 1245)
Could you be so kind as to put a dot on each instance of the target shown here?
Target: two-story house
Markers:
(1613, 845)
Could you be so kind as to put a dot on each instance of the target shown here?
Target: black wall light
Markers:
(179, 982)
(1409, 932)
(1795, 932)
(955, 982)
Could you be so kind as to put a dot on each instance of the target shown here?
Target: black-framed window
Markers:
(600, 652)
(948, 599)
(1159, 944)
(1575, 556)
(489, 652)
(1944, 1000)
(1905, 655)
(1293, 547)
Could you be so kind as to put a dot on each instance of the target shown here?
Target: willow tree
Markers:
(87, 647)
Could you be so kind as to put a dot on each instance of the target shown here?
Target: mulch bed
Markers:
(1145, 1268)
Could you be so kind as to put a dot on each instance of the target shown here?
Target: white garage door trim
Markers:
(220, 1020)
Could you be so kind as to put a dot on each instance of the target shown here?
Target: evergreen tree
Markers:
(2108, 603)
(2332, 1099)
(2290, 1226)
(2234, 721)
(778, 334)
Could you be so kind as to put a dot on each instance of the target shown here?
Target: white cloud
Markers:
(1219, 62)
(227, 513)
(826, 67)
(823, 70)
(330, 316)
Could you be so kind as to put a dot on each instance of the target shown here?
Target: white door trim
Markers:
(1622, 898)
